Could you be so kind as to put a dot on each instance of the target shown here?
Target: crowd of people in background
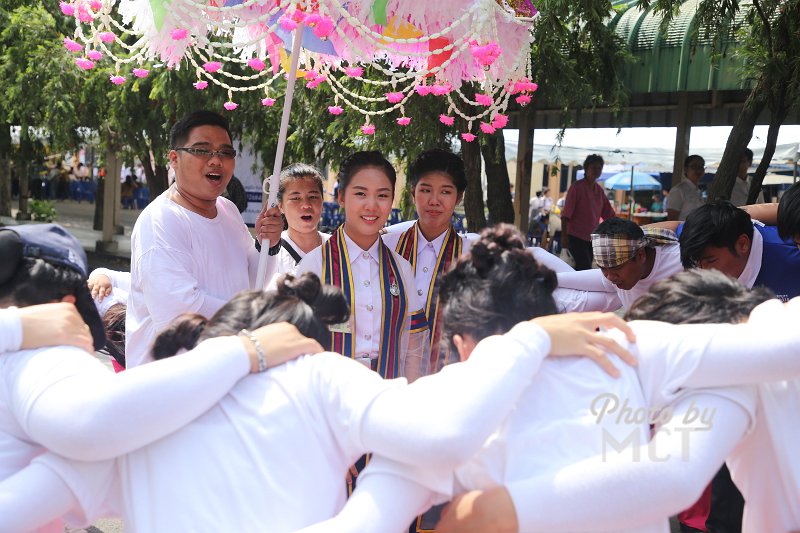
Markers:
(472, 371)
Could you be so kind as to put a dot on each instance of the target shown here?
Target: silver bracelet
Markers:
(262, 357)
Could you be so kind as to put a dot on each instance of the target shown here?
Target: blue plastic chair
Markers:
(87, 191)
(458, 222)
(75, 190)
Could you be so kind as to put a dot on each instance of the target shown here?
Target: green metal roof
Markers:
(669, 61)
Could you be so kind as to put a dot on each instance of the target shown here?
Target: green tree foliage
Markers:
(35, 89)
(770, 36)
(576, 60)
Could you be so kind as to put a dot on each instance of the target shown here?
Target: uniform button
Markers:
(366, 283)
(425, 269)
(369, 307)
(365, 255)
(368, 336)
(419, 292)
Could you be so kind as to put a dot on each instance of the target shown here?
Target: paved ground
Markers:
(78, 218)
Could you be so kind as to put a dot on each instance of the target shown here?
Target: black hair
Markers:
(182, 129)
(718, 224)
(619, 226)
(591, 159)
(748, 153)
(303, 301)
(789, 212)
(182, 333)
(299, 171)
(360, 160)
(37, 281)
(494, 287)
(698, 297)
(693, 157)
(114, 322)
(438, 160)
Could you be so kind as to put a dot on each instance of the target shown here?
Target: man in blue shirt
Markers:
(721, 236)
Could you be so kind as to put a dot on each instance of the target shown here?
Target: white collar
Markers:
(422, 242)
(753, 265)
(355, 251)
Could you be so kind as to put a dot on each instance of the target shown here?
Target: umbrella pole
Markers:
(273, 181)
(630, 200)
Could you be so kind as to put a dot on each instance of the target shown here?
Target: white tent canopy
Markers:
(645, 158)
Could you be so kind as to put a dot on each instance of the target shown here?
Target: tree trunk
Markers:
(740, 136)
(498, 184)
(5, 188)
(23, 168)
(776, 118)
(473, 196)
(98, 203)
(24, 190)
(156, 179)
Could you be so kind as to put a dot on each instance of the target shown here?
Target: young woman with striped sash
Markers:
(387, 329)
(437, 182)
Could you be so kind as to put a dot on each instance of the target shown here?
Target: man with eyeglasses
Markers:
(685, 196)
(190, 248)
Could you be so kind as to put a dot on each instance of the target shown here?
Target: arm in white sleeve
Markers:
(642, 485)
(556, 264)
(10, 330)
(381, 502)
(32, 498)
(444, 418)
(584, 280)
(722, 355)
(119, 280)
(573, 300)
(170, 289)
(94, 414)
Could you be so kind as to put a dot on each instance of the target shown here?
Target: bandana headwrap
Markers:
(613, 250)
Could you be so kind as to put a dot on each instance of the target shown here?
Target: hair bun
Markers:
(493, 242)
(305, 287)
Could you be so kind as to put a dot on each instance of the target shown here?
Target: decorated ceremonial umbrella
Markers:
(420, 47)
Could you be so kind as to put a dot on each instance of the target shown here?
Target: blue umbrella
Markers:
(641, 182)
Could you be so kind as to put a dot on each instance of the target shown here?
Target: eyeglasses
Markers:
(225, 155)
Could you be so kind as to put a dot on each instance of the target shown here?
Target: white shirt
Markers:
(685, 197)
(753, 265)
(741, 188)
(274, 452)
(667, 262)
(367, 304)
(427, 254)
(560, 420)
(766, 466)
(400, 227)
(284, 262)
(183, 262)
(120, 288)
(10, 330)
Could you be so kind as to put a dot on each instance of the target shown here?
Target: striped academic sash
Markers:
(336, 271)
(451, 250)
